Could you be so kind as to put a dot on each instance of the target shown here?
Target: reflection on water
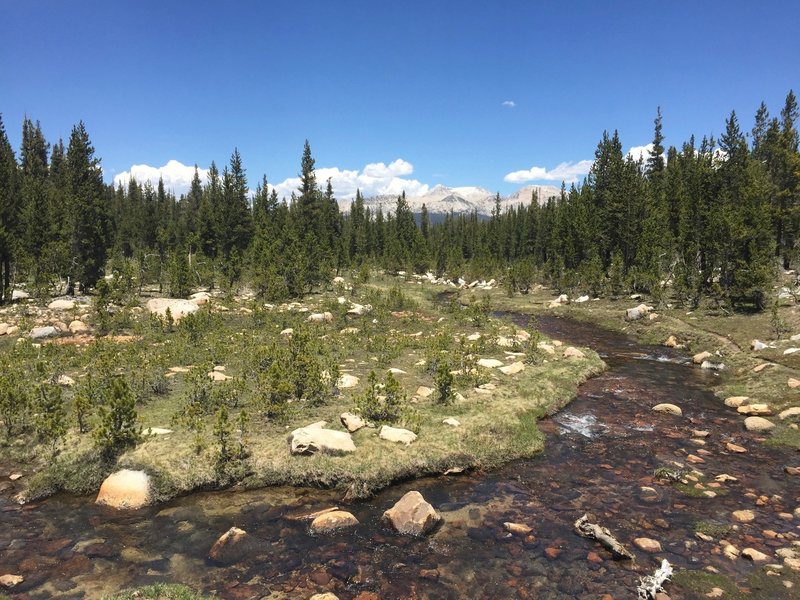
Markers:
(600, 457)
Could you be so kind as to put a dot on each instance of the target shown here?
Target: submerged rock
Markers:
(332, 521)
(647, 544)
(125, 489)
(232, 546)
(669, 409)
(518, 528)
(743, 516)
(310, 440)
(412, 515)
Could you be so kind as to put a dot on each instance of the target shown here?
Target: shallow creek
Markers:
(600, 451)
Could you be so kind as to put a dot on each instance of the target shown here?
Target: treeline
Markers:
(713, 219)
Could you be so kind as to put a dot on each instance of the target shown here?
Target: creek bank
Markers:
(602, 452)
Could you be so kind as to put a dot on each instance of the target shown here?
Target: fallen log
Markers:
(596, 532)
(650, 585)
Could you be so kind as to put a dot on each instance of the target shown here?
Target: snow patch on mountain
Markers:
(442, 199)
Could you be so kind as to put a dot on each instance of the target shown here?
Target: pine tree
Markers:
(34, 198)
(89, 224)
(9, 212)
(118, 428)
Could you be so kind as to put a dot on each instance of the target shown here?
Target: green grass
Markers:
(494, 429)
(759, 585)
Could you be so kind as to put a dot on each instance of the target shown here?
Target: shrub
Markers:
(443, 383)
(51, 417)
(118, 429)
(385, 407)
(15, 401)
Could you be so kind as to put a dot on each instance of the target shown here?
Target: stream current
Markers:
(600, 456)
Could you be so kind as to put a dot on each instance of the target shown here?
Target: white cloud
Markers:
(177, 176)
(375, 179)
(643, 152)
(565, 171)
(509, 103)
(396, 167)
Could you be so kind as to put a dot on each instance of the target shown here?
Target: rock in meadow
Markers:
(125, 489)
(412, 515)
(758, 424)
(332, 521)
(792, 411)
(347, 381)
(700, 357)
(712, 366)
(76, 327)
(177, 308)
(736, 401)
(668, 409)
(671, 342)
(451, 422)
(324, 317)
(757, 345)
(572, 352)
(310, 440)
(61, 304)
(490, 363)
(397, 434)
(423, 391)
(41, 333)
(351, 422)
(754, 409)
(513, 368)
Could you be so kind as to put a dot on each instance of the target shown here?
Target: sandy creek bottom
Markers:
(600, 451)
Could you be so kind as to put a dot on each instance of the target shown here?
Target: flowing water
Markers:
(600, 457)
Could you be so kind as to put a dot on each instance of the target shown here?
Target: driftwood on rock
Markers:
(596, 532)
(650, 585)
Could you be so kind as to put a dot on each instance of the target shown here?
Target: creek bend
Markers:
(601, 450)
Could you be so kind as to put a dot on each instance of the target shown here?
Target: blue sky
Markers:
(374, 82)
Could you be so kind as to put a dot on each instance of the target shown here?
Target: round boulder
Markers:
(758, 424)
(668, 409)
(232, 546)
(331, 522)
(125, 489)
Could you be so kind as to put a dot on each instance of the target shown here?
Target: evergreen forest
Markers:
(709, 220)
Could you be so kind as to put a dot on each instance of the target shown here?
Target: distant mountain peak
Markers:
(466, 199)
